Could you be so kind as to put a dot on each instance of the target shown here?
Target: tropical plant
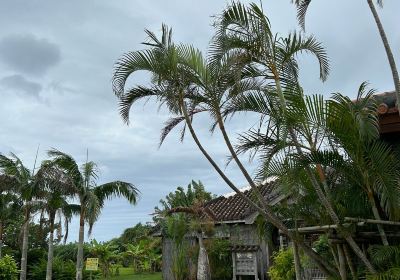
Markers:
(283, 265)
(28, 187)
(220, 256)
(387, 259)
(107, 255)
(90, 195)
(8, 268)
(188, 85)
(9, 210)
(57, 190)
(62, 269)
(302, 7)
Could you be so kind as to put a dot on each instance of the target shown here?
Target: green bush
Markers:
(283, 265)
(220, 258)
(62, 270)
(8, 268)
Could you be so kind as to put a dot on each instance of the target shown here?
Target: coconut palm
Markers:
(177, 71)
(90, 195)
(29, 188)
(58, 189)
(302, 6)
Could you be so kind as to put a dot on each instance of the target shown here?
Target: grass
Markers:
(126, 273)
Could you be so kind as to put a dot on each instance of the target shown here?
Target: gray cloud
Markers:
(18, 84)
(29, 54)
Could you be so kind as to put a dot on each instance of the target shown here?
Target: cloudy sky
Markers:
(56, 60)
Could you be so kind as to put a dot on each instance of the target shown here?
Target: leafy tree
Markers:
(135, 234)
(9, 210)
(91, 196)
(8, 268)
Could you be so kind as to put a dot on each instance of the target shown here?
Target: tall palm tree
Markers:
(175, 85)
(302, 6)
(246, 32)
(29, 188)
(90, 195)
(58, 189)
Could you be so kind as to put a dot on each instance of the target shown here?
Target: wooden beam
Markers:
(371, 221)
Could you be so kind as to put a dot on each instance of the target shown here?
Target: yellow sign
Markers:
(92, 263)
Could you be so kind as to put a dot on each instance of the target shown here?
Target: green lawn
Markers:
(127, 274)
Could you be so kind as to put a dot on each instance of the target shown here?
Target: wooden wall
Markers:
(238, 234)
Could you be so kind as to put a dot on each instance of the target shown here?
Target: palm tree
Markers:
(246, 33)
(176, 71)
(57, 190)
(373, 166)
(29, 188)
(302, 6)
(91, 196)
(9, 210)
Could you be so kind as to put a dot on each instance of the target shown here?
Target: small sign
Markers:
(92, 264)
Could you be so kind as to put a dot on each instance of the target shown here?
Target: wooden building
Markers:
(236, 222)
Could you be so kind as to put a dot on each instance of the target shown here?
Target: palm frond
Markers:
(117, 189)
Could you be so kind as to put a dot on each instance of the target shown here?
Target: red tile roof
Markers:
(234, 208)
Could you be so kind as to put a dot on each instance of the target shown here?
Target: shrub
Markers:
(220, 258)
(8, 268)
(62, 270)
(283, 265)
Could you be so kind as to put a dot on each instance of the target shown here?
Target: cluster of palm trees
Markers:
(313, 147)
(59, 189)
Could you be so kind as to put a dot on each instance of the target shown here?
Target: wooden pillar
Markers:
(234, 265)
(255, 266)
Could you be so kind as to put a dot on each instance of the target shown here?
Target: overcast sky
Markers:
(56, 61)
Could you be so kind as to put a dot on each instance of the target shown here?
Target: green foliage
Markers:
(220, 258)
(8, 268)
(194, 193)
(63, 270)
(321, 246)
(283, 265)
(135, 234)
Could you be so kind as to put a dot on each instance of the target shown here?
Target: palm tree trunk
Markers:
(1, 239)
(388, 50)
(377, 216)
(203, 264)
(49, 269)
(79, 257)
(349, 262)
(269, 216)
(323, 198)
(297, 264)
(342, 262)
(24, 252)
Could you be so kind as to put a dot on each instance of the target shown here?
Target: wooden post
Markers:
(255, 266)
(234, 266)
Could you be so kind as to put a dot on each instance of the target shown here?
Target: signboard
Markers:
(92, 264)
